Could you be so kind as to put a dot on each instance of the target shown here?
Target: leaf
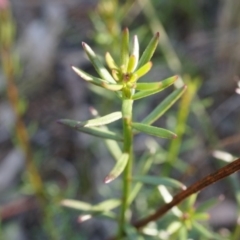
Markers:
(183, 233)
(156, 86)
(112, 87)
(110, 61)
(116, 74)
(113, 148)
(174, 227)
(143, 70)
(149, 51)
(87, 77)
(102, 71)
(132, 232)
(201, 216)
(101, 120)
(147, 163)
(206, 205)
(131, 64)
(118, 168)
(205, 232)
(98, 132)
(167, 197)
(79, 205)
(154, 131)
(135, 51)
(165, 83)
(164, 106)
(107, 205)
(125, 49)
(85, 217)
(153, 180)
(83, 206)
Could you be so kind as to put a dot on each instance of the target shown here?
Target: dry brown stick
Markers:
(194, 188)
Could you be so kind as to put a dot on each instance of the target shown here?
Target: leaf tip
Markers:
(108, 179)
(175, 136)
(60, 121)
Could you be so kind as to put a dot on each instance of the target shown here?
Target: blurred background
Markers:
(41, 40)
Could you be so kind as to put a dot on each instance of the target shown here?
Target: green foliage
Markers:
(123, 79)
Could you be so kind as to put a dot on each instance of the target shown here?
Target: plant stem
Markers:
(8, 63)
(127, 148)
(194, 188)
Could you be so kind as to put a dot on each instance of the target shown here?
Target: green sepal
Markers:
(112, 87)
(125, 49)
(97, 132)
(154, 131)
(143, 70)
(102, 71)
(110, 61)
(165, 83)
(149, 51)
(87, 77)
(154, 180)
(164, 106)
(118, 168)
(96, 122)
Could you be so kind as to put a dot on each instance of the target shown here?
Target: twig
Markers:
(196, 187)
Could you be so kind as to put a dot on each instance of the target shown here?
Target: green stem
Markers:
(127, 148)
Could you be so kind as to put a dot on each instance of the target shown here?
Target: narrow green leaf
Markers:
(118, 168)
(147, 163)
(164, 106)
(167, 197)
(110, 61)
(135, 51)
(107, 205)
(113, 148)
(87, 77)
(131, 64)
(112, 87)
(116, 74)
(86, 207)
(96, 122)
(132, 232)
(205, 232)
(86, 217)
(98, 132)
(165, 83)
(206, 205)
(203, 216)
(174, 227)
(154, 131)
(154, 180)
(79, 205)
(125, 49)
(156, 85)
(183, 233)
(144, 69)
(102, 71)
(149, 51)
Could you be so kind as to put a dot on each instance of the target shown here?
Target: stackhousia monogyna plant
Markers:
(123, 80)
